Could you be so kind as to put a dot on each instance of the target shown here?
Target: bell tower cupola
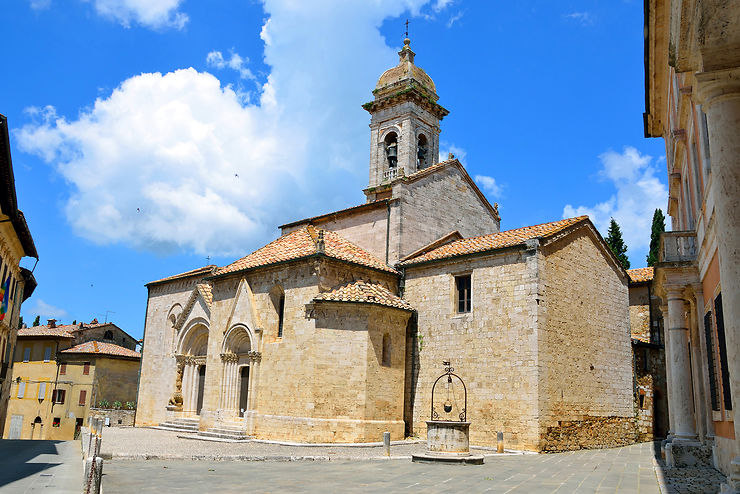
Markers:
(404, 126)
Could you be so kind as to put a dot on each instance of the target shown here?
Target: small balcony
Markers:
(390, 174)
(677, 247)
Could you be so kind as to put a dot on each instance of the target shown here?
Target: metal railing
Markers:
(677, 247)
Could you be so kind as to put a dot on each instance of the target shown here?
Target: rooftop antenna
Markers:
(106, 315)
(406, 34)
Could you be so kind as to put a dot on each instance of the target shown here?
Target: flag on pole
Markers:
(5, 296)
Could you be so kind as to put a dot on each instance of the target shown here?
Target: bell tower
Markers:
(404, 127)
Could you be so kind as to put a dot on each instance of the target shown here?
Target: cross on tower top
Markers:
(406, 34)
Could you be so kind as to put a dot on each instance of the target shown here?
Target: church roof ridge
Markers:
(304, 243)
(366, 205)
(494, 241)
(186, 274)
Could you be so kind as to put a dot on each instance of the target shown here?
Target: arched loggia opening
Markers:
(192, 349)
(238, 358)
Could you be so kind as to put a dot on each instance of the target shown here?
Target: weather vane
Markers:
(407, 29)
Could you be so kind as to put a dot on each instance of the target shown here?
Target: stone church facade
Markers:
(335, 331)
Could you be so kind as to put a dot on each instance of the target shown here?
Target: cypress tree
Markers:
(657, 228)
(616, 243)
(37, 321)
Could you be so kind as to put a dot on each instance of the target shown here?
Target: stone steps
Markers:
(180, 425)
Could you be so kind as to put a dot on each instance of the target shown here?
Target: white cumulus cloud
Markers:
(489, 185)
(45, 311)
(235, 62)
(178, 161)
(583, 18)
(149, 13)
(639, 193)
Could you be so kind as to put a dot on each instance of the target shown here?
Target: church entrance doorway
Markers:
(243, 390)
(201, 385)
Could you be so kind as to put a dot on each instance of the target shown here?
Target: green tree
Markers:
(616, 243)
(20, 322)
(37, 321)
(657, 228)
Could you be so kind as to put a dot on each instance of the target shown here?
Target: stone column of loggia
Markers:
(702, 363)
(668, 373)
(681, 406)
(719, 93)
(186, 379)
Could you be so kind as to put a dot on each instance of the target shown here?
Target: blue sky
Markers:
(152, 137)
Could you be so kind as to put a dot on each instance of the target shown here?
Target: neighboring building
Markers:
(61, 373)
(336, 330)
(648, 355)
(16, 283)
(692, 84)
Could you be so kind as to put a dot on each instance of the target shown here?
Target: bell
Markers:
(391, 151)
(448, 406)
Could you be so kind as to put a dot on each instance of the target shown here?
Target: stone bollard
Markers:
(499, 442)
(93, 478)
(387, 443)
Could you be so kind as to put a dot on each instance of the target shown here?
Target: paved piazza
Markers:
(623, 470)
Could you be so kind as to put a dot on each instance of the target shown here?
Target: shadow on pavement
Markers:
(18, 455)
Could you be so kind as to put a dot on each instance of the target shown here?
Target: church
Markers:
(336, 330)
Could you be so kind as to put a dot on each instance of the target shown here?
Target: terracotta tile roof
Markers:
(640, 275)
(62, 331)
(364, 292)
(102, 348)
(302, 243)
(205, 290)
(494, 241)
(199, 271)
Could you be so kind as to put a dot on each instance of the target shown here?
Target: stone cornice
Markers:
(717, 86)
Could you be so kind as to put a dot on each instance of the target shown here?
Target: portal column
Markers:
(187, 385)
(668, 370)
(719, 93)
(681, 407)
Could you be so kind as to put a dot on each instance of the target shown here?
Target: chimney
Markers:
(320, 247)
(52, 323)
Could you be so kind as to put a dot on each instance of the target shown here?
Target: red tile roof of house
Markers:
(199, 271)
(102, 348)
(366, 293)
(63, 331)
(353, 209)
(640, 275)
(303, 243)
(493, 241)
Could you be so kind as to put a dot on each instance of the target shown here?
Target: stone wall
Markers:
(493, 348)
(158, 367)
(118, 418)
(585, 354)
(433, 206)
(116, 379)
(651, 401)
(639, 303)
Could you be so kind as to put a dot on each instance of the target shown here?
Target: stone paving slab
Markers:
(40, 466)
(621, 470)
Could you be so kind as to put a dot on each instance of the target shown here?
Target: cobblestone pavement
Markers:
(690, 480)
(626, 470)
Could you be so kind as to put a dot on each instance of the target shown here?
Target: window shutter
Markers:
(42, 391)
(27, 354)
(86, 368)
(21, 389)
(63, 369)
(724, 369)
(47, 353)
(83, 398)
(708, 333)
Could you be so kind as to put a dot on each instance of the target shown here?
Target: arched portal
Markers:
(237, 357)
(192, 349)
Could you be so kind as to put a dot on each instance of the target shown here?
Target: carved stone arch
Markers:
(384, 133)
(238, 340)
(173, 314)
(193, 339)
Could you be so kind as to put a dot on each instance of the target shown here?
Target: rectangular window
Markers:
(63, 368)
(722, 344)
(58, 396)
(86, 369)
(56, 422)
(462, 287)
(27, 354)
(42, 391)
(21, 389)
(708, 334)
(47, 354)
(83, 398)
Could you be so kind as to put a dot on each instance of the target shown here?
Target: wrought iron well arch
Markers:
(449, 373)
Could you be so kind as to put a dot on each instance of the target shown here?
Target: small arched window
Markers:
(108, 335)
(391, 149)
(277, 295)
(422, 150)
(386, 360)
